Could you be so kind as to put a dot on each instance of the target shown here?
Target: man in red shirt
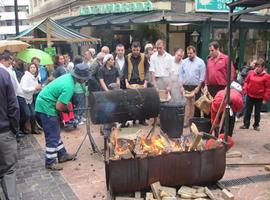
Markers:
(216, 70)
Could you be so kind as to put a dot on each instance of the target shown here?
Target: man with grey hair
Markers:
(93, 83)
(88, 58)
(105, 50)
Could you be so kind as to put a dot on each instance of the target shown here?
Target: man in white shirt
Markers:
(160, 66)
(120, 62)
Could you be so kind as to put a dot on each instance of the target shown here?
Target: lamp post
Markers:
(195, 37)
(16, 17)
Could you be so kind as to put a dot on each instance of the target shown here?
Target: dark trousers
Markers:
(197, 112)
(54, 145)
(78, 101)
(231, 125)
(257, 103)
(214, 89)
(8, 160)
(27, 112)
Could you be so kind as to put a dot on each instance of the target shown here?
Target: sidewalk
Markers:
(84, 178)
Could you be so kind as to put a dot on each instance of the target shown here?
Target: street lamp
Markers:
(195, 36)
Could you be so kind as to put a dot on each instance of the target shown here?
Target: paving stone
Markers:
(33, 180)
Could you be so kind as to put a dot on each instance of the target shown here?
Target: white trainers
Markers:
(83, 119)
(81, 123)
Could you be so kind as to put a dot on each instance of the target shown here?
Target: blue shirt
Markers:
(192, 72)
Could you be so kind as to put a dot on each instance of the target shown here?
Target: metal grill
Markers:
(246, 180)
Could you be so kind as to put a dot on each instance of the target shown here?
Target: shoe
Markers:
(81, 123)
(256, 128)
(54, 167)
(20, 134)
(83, 119)
(36, 131)
(66, 157)
(243, 127)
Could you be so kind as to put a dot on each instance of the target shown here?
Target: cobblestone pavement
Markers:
(34, 182)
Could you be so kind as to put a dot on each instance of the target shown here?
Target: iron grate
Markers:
(246, 180)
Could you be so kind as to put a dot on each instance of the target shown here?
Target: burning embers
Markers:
(154, 143)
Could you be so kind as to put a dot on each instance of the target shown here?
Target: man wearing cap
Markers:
(236, 103)
(52, 99)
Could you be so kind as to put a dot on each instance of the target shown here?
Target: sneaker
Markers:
(256, 128)
(54, 167)
(243, 127)
(83, 119)
(66, 157)
(81, 123)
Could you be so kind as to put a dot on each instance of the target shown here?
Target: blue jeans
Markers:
(54, 145)
(27, 112)
(78, 100)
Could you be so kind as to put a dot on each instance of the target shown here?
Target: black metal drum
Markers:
(123, 105)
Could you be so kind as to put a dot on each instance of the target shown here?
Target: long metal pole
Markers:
(228, 96)
(16, 17)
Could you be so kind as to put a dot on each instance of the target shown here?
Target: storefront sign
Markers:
(212, 5)
(116, 8)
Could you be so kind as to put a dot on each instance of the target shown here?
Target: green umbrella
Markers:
(26, 55)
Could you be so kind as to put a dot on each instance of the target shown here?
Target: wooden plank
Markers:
(234, 154)
(128, 198)
(267, 167)
(170, 190)
(227, 195)
(197, 135)
(156, 189)
(149, 196)
(137, 194)
(209, 193)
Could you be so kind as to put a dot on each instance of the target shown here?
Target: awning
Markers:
(58, 32)
(153, 17)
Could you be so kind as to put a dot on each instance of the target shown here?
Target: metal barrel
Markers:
(123, 105)
(172, 169)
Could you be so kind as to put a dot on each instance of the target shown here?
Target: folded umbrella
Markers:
(12, 45)
(26, 55)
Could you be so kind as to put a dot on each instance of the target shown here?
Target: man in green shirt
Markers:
(52, 99)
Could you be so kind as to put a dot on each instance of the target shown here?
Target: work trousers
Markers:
(257, 103)
(54, 145)
(8, 160)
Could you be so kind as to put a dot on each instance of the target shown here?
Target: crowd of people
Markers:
(38, 94)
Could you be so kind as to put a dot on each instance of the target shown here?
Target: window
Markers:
(9, 8)
(10, 22)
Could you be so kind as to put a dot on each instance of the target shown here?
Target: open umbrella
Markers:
(12, 45)
(26, 55)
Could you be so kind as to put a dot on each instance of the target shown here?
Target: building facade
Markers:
(175, 21)
(7, 17)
